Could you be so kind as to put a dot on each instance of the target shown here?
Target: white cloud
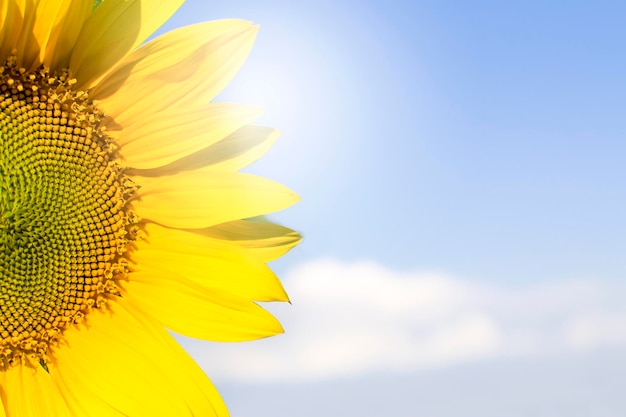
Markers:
(354, 318)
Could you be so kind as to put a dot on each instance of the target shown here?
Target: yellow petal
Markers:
(58, 24)
(191, 64)
(29, 391)
(159, 139)
(185, 309)
(232, 153)
(12, 20)
(213, 264)
(267, 241)
(115, 28)
(121, 363)
(27, 46)
(238, 150)
(197, 199)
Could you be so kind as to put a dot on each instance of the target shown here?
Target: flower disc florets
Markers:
(64, 218)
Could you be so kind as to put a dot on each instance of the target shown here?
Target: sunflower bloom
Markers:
(122, 211)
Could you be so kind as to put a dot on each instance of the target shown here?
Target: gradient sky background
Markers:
(461, 168)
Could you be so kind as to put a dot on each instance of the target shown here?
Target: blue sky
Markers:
(470, 136)
(471, 150)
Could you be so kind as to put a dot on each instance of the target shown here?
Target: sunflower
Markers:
(123, 214)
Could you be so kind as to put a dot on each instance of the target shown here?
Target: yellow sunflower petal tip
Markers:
(100, 260)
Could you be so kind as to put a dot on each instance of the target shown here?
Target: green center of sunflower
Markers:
(64, 219)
